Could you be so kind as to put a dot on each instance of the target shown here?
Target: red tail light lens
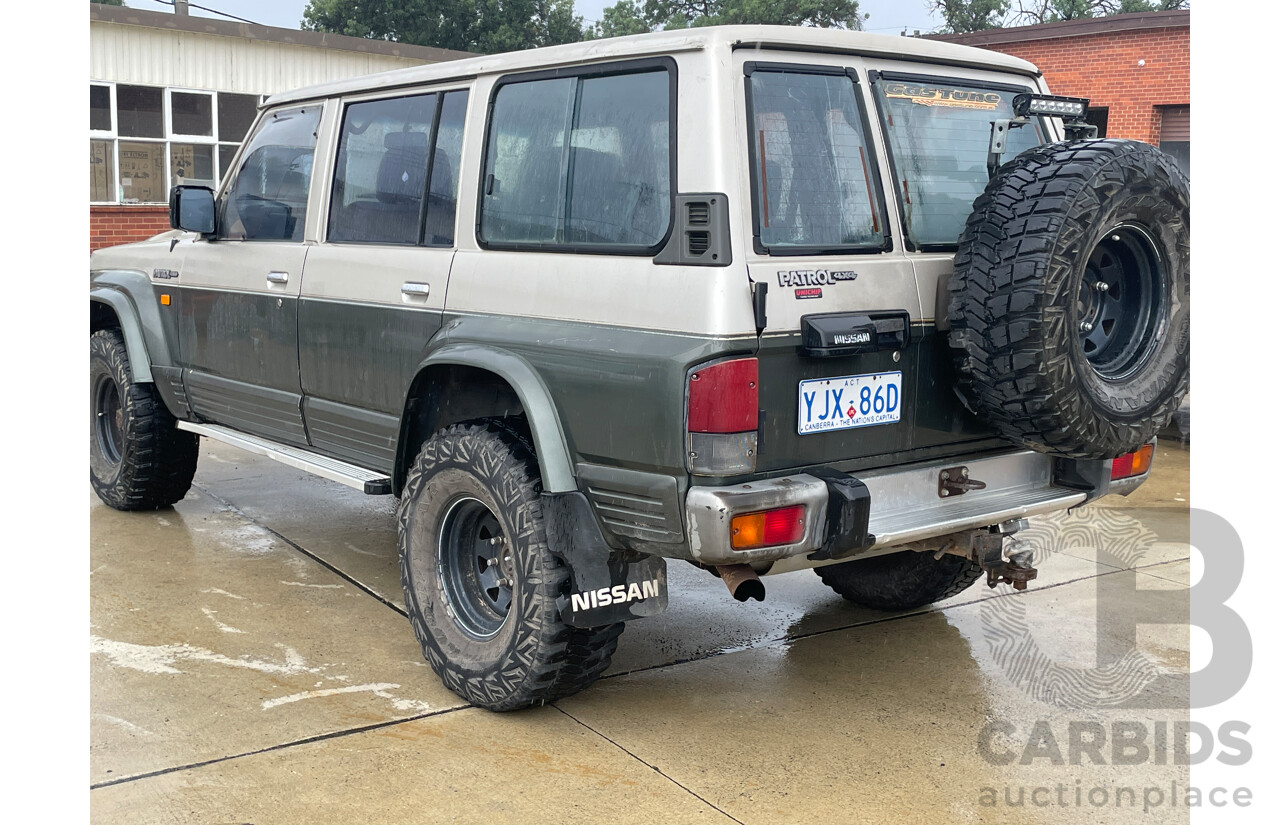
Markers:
(1132, 464)
(725, 397)
(770, 528)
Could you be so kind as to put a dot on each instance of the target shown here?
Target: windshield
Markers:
(939, 133)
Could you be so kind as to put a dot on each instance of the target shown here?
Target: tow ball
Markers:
(987, 548)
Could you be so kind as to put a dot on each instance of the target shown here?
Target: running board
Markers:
(366, 481)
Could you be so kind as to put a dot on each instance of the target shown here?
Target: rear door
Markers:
(824, 243)
(375, 288)
(937, 128)
(837, 223)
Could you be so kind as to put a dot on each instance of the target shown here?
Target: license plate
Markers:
(850, 401)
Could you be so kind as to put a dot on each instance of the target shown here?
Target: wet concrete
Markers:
(250, 662)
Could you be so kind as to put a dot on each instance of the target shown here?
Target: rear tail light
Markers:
(1132, 464)
(769, 528)
(723, 417)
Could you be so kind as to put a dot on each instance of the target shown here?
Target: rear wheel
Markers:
(480, 581)
(900, 581)
(138, 458)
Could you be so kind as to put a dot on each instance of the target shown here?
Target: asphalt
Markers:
(251, 662)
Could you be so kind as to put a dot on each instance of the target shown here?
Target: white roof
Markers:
(666, 42)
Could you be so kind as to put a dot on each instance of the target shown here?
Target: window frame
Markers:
(111, 136)
(874, 76)
(438, 110)
(226, 184)
(170, 137)
(882, 213)
(595, 70)
(173, 134)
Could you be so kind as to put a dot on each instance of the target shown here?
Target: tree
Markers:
(108, 2)
(484, 26)
(971, 15)
(638, 16)
(976, 15)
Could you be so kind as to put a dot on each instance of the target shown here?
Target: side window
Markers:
(267, 199)
(580, 162)
(939, 133)
(812, 171)
(382, 172)
(446, 156)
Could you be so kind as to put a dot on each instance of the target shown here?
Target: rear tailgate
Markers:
(929, 420)
(824, 244)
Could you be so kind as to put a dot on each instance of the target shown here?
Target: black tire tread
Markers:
(158, 461)
(1003, 307)
(900, 581)
(553, 660)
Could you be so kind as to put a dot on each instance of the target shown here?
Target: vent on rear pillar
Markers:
(701, 234)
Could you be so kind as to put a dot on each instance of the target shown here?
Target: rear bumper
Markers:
(905, 506)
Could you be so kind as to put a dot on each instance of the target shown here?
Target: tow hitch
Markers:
(987, 548)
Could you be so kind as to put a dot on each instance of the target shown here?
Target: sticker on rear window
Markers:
(926, 95)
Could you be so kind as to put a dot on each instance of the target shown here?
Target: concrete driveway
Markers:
(251, 663)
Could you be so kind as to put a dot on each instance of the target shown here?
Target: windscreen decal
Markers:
(925, 95)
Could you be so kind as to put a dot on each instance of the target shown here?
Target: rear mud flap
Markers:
(608, 585)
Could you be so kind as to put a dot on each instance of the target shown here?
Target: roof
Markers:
(1072, 28)
(836, 41)
(125, 16)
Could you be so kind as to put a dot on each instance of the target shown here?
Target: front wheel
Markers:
(900, 581)
(138, 458)
(480, 581)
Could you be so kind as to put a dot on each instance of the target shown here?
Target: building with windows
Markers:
(171, 97)
(1134, 68)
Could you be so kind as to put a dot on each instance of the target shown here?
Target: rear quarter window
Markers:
(580, 163)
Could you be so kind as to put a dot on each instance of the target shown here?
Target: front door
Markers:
(374, 290)
(238, 302)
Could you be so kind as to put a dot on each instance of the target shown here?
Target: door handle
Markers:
(415, 290)
(278, 277)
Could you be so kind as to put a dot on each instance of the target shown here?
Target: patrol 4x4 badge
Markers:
(808, 283)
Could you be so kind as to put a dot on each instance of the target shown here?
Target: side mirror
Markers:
(191, 209)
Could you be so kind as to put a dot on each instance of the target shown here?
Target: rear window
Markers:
(813, 173)
(938, 134)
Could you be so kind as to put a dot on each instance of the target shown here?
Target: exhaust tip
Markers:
(742, 581)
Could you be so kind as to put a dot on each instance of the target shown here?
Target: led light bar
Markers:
(1071, 108)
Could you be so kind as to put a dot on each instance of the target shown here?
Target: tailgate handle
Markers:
(831, 334)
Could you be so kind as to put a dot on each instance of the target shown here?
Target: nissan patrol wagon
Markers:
(754, 299)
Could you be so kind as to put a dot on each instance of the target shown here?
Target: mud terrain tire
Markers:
(900, 581)
(1069, 307)
(138, 458)
(472, 483)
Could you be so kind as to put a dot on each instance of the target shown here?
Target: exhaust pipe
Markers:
(742, 581)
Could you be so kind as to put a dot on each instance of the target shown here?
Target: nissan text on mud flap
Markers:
(753, 299)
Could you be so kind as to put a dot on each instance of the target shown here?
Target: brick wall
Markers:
(1104, 68)
(111, 225)
(1103, 65)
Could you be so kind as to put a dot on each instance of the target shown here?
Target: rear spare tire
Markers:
(1069, 308)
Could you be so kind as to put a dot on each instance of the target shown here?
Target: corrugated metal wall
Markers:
(163, 57)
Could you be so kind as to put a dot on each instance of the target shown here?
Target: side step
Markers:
(366, 481)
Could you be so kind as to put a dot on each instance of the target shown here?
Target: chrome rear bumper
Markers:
(905, 506)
